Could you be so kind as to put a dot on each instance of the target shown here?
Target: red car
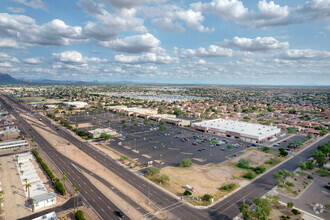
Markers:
(194, 143)
(187, 139)
(204, 149)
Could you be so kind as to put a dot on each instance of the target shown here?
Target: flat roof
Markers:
(44, 197)
(139, 110)
(101, 130)
(48, 216)
(246, 129)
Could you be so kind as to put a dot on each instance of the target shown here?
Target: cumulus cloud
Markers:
(8, 43)
(6, 57)
(35, 4)
(305, 54)
(167, 17)
(69, 57)
(210, 51)
(316, 10)
(270, 14)
(33, 61)
(134, 44)
(159, 57)
(109, 25)
(256, 44)
(24, 29)
(167, 25)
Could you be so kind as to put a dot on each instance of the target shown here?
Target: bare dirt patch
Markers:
(256, 157)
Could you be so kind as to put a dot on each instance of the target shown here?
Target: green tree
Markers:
(266, 149)
(207, 197)
(160, 110)
(106, 136)
(263, 208)
(243, 163)
(302, 165)
(309, 136)
(283, 152)
(79, 215)
(309, 164)
(289, 205)
(64, 178)
(153, 170)
(325, 148)
(281, 175)
(273, 199)
(1, 201)
(187, 193)
(229, 146)
(164, 178)
(186, 162)
(245, 210)
(320, 158)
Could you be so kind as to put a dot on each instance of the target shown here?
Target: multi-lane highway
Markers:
(226, 209)
(100, 203)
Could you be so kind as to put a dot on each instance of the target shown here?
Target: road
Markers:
(226, 209)
(100, 203)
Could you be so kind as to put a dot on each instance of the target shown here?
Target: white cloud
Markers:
(8, 43)
(33, 61)
(271, 10)
(23, 28)
(15, 10)
(305, 54)
(210, 51)
(69, 57)
(316, 10)
(109, 25)
(270, 14)
(167, 25)
(35, 4)
(6, 57)
(5, 64)
(159, 57)
(165, 16)
(256, 44)
(134, 44)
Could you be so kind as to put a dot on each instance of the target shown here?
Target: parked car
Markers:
(194, 143)
(120, 214)
(204, 149)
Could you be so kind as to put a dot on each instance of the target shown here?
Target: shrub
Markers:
(270, 161)
(229, 187)
(289, 205)
(310, 177)
(295, 211)
(259, 170)
(243, 163)
(285, 217)
(163, 178)
(59, 186)
(309, 164)
(187, 193)
(123, 157)
(290, 184)
(323, 172)
(283, 152)
(153, 170)
(207, 197)
(266, 149)
(249, 176)
(186, 162)
(301, 173)
(302, 165)
(79, 215)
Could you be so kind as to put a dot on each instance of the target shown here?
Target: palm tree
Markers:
(20, 165)
(31, 201)
(75, 191)
(27, 186)
(25, 180)
(22, 172)
(1, 201)
(64, 178)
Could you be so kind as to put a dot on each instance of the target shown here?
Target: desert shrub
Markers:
(229, 187)
(79, 215)
(153, 170)
(310, 177)
(288, 183)
(323, 172)
(249, 176)
(207, 197)
(295, 211)
(187, 193)
(259, 169)
(289, 205)
(243, 163)
(186, 162)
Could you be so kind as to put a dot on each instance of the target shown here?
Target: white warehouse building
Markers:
(249, 132)
(75, 104)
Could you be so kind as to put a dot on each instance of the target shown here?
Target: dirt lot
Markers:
(89, 214)
(207, 179)
(301, 183)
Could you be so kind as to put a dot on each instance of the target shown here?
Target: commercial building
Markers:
(12, 144)
(75, 104)
(48, 216)
(97, 132)
(249, 132)
(44, 200)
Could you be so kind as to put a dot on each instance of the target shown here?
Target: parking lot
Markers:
(170, 146)
(285, 143)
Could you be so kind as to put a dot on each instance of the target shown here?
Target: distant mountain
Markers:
(8, 79)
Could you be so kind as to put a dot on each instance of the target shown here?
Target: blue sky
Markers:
(162, 41)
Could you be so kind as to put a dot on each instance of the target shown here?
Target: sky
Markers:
(162, 41)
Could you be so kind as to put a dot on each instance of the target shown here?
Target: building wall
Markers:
(44, 203)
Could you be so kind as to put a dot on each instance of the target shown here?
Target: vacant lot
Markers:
(208, 179)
